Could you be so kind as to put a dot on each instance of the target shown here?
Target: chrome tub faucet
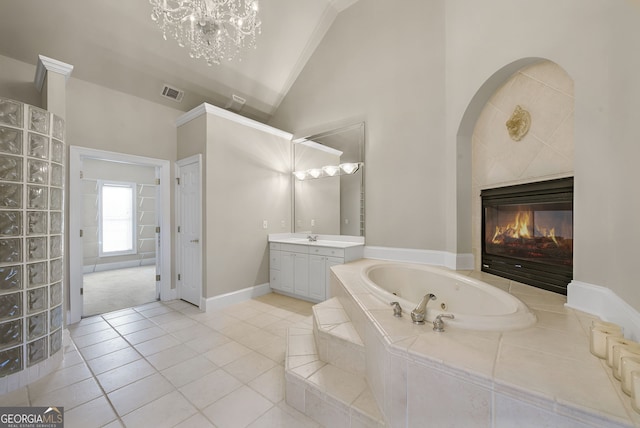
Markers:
(419, 314)
(438, 324)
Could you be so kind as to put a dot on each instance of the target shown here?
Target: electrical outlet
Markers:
(283, 224)
(313, 222)
(265, 224)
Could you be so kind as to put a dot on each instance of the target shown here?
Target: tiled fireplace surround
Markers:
(546, 152)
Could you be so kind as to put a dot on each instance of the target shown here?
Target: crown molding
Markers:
(226, 114)
(46, 64)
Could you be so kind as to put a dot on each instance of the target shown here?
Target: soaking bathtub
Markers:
(495, 365)
(476, 305)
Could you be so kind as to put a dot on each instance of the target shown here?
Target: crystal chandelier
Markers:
(212, 29)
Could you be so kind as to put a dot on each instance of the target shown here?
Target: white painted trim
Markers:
(101, 267)
(604, 303)
(49, 64)
(76, 155)
(429, 257)
(318, 146)
(148, 262)
(224, 300)
(226, 114)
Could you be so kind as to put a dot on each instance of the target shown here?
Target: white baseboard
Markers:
(604, 303)
(101, 267)
(430, 257)
(148, 262)
(224, 300)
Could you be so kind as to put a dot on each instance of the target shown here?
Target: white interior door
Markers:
(189, 207)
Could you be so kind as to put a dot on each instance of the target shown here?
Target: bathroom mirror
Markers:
(329, 182)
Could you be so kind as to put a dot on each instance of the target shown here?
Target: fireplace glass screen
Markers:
(527, 233)
(539, 232)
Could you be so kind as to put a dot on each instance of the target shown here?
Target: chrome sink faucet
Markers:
(419, 314)
(312, 238)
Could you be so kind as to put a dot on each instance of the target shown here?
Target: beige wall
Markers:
(545, 90)
(421, 72)
(100, 118)
(16, 81)
(384, 62)
(248, 181)
(247, 178)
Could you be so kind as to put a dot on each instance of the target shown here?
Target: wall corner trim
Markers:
(46, 64)
(205, 108)
(224, 300)
(604, 303)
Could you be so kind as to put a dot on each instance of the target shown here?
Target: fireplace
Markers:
(527, 233)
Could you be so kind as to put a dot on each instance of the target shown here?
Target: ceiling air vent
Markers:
(172, 93)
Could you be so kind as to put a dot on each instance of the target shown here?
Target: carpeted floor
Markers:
(118, 289)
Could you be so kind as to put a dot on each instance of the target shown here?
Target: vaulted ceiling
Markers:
(114, 43)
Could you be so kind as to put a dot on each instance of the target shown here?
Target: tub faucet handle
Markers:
(438, 324)
(397, 309)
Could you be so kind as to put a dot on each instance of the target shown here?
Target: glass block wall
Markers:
(32, 163)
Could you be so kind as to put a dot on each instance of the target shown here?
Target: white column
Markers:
(51, 78)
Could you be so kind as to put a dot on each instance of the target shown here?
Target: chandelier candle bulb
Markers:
(629, 364)
(620, 351)
(611, 342)
(599, 334)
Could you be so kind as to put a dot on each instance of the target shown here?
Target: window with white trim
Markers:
(117, 218)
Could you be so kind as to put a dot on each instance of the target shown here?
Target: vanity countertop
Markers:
(320, 242)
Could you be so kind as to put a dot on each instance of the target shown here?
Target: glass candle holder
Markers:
(599, 334)
(629, 364)
(613, 341)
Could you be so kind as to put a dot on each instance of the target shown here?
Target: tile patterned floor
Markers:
(166, 364)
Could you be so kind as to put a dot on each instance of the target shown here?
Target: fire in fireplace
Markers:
(527, 233)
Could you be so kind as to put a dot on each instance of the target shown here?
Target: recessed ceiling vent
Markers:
(235, 104)
(172, 93)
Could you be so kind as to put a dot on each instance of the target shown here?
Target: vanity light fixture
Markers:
(300, 175)
(315, 172)
(331, 170)
(350, 168)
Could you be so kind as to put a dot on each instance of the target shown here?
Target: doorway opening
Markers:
(119, 232)
(119, 235)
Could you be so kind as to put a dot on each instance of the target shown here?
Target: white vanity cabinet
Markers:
(303, 270)
(319, 274)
